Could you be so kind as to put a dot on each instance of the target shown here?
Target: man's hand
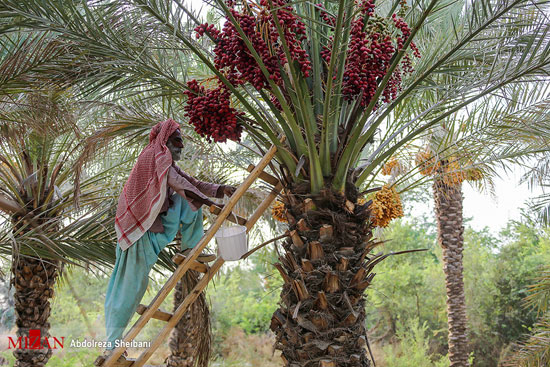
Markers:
(196, 197)
(228, 190)
(209, 203)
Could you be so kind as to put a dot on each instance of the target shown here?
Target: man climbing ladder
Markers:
(157, 200)
(189, 262)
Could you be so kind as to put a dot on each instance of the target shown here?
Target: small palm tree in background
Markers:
(343, 83)
(190, 341)
(131, 123)
(39, 146)
(534, 351)
(42, 133)
(37, 152)
(46, 140)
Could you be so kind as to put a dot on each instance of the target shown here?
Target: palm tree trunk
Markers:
(80, 306)
(448, 210)
(190, 343)
(33, 280)
(325, 268)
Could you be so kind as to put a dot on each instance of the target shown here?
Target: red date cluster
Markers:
(327, 18)
(234, 57)
(209, 110)
(293, 29)
(370, 53)
(372, 44)
(405, 33)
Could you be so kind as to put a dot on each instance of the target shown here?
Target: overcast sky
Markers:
(494, 212)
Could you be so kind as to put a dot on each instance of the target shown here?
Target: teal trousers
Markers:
(131, 273)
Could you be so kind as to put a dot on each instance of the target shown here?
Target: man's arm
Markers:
(191, 195)
(187, 190)
(207, 188)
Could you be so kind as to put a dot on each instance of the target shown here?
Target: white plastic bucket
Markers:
(232, 242)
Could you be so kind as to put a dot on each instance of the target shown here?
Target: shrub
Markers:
(412, 349)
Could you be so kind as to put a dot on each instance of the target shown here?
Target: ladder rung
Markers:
(195, 265)
(265, 176)
(159, 315)
(125, 362)
(129, 361)
(231, 217)
(179, 312)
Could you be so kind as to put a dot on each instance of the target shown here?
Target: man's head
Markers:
(175, 144)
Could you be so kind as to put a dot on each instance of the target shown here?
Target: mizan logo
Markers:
(35, 341)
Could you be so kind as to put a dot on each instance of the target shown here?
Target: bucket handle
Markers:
(234, 217)
(230, 213)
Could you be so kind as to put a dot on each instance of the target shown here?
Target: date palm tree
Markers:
(336, 80)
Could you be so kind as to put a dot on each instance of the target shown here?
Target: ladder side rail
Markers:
(263, 206)
(226, 210)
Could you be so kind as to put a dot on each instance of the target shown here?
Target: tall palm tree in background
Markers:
(452, 157)
(448, 209)
(502, 139)
(337, 82)
(447, 172)
(449, 160)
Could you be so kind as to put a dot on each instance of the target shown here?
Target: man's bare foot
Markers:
(204, 257)
(107, 353)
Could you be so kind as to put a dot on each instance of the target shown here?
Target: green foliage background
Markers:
(407, 319)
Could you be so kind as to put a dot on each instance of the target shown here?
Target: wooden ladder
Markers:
(190, 262)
